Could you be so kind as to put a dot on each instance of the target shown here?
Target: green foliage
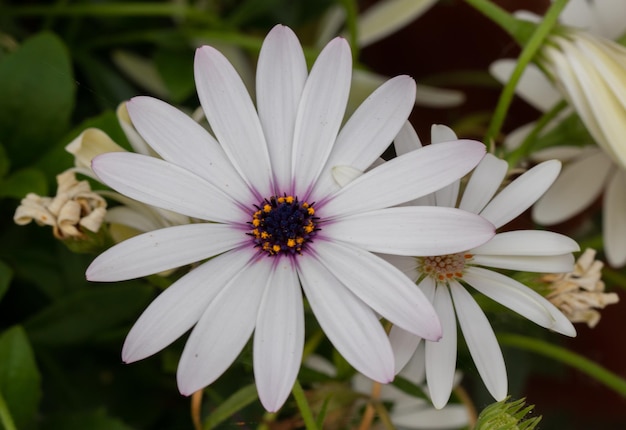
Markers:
(79, 316)
(19, 377)
(6, 274)
(36, 97)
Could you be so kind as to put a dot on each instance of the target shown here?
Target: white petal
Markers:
(233, 118)
(519, 298)
(131, 218)
(412, 231)
(435, 97)
(614, 230)
(165, 185)
(406, 264)
(528, 242)
(481, 342)
(279, 336)
(320, 113)
(527, 263)
(483, 184)
(182, 141)
(403, 344)
(280, 78)
(533, 85)
(451, 417)
(385, 18)
(164, 249)
(448, 195)
(400, 301)
(520, 194)
(136, 141)
(441, 356)
(180, 306)
(406, 177)
(578, 186)
(370, 130)
(351, 326)
(407, 140)
(603, 18)
(224, 328)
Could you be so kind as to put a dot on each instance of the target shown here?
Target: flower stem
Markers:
(529, 141)
(616, 278)
(114, 10)
(606, 377)
(5, 415)
(303, 406)
(368, 415)
(352, 11)
(531, 46)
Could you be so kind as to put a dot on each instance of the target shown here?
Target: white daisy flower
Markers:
(278, 221)
(444, 277)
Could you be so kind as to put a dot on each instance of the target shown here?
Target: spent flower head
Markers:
(578, 294)
(276, 220)
(74, 210)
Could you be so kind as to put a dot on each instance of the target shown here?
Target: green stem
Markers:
(527, 144)
(606, 377)
(303, 406)
(615, 278)
(531, 46)
(519, 30)
(352, 12)
(113, 10)
(5, 415)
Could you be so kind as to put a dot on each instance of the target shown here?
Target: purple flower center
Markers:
(283, 225)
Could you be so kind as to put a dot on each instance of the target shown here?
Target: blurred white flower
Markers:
(443, 278)
(588, 174)
(589, 70)
(410, 412)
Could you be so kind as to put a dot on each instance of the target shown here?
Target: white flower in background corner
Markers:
(588, 173)
(377, 22)
(278, 221)
(589, 70)
(444, 277)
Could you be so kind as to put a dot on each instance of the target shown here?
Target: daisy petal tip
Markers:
(271, 402)
(566, 329)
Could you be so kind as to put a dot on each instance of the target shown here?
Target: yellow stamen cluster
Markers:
(444, 267)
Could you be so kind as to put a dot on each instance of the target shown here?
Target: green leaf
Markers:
(97, 420)
(176, 70)
(5, 163)
(19, 376)
(6, 274)
(24, 181)
(239, 400)
(36, 97)
(409, 387)
(86, 313)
